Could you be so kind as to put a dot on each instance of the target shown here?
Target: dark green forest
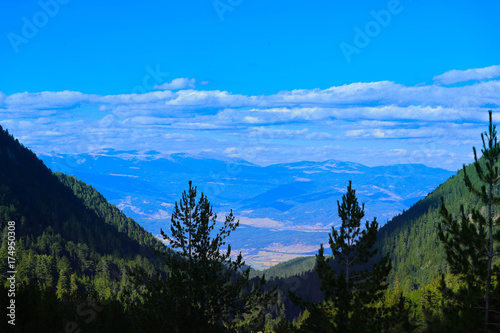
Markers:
(83, 266)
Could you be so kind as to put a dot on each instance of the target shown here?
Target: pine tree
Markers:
(354, 285)
(207, 289)
(473, 241)
(63, 284)
(73, 285)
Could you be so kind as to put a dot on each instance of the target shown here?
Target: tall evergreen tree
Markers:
(63, 284)
(208, 289)
(472, 241)
(355, 284)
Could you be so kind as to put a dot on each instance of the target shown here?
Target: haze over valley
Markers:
(285, 210)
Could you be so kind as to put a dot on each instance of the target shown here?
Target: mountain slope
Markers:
(65, 227)
(409, 238)
(36, 199)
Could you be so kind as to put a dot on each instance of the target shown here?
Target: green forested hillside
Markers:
(110, 214)
(70, 242)
(36, 199)
(410, 238)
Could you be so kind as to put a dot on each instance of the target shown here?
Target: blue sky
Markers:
(374, 82)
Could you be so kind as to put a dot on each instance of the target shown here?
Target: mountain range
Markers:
(285, 210)
(410, 239)
(72, 243)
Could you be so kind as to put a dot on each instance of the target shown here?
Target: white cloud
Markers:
(47, 99)
(251, 120)
(474, 74)
(319, 136)
(383, 101)
(177, 84)
(148, 121)
(265, 133)
(438, 131)
(312, 124)
(399, 152)
(230, 150)
(180, 136)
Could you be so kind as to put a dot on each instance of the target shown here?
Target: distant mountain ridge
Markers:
(38, 199)
(285, 210)
(410, 238)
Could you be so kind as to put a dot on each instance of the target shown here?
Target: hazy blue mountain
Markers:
(286, 210)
